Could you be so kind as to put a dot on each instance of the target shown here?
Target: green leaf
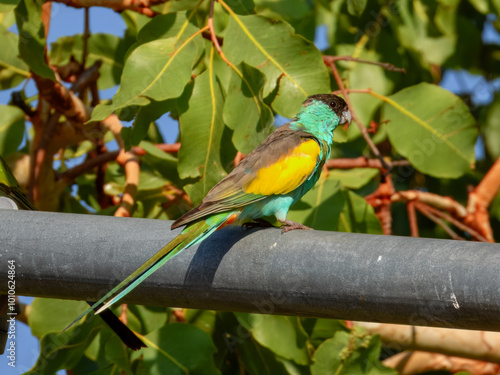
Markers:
(420, 33)
(12, 69)
(258, 360)
(283, 335)
(324, 329)
(241, 6)
(327, 206)
(166, 26)
(8, 5)
(320, 207)
(245, 111)
(357, 216)
(491, 129)
(42, 319)
(287, 60)
(64, 351)
(179, 348)
(284, 8)
(356, 7)
(146, 116)
(432, 128)
(157, 70)
(116, 352)
(203, 319)
(354, 178)
(202, 127)
(32, 37)
(349, 354)
(11, 129)
(107, 48)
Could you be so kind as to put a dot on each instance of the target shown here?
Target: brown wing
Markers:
(287, 155)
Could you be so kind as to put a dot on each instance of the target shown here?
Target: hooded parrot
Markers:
(266, 183)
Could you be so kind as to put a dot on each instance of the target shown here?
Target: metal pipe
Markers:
(360, 277)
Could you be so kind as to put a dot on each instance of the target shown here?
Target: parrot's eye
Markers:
(333, 104)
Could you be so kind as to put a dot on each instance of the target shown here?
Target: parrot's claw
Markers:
(257, 223)
(292, 225)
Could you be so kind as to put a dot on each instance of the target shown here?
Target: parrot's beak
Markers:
(346, 117)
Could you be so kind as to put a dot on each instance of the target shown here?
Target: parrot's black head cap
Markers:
(336, 103)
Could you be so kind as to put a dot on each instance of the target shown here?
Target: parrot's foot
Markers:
(257, 223)
(292, 225)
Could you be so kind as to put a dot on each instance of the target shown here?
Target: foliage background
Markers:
(428, 39)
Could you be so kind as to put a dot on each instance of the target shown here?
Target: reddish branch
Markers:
(407, 363)
(479, 200)
(387, 66)
(132, 169)
(62, 100)
(361, 162)
(380, 200)
(412, 218)
(91, 163)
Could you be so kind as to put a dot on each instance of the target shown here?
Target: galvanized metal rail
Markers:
(309, 273)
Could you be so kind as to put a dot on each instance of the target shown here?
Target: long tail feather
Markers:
(190, 236)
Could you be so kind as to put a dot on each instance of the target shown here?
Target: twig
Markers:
(86, 36)
(87, 77)
(384, 65)
(353, 91)
(438, 201)
(88, 164)
(412, 218)
(361, 162)
(457, 223)
(363, 130)
(210, 24)
(70, 71)
(422, 208)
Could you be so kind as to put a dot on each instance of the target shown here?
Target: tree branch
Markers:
(384, 65)
(407, 363)
(455, 342)
(479, 200)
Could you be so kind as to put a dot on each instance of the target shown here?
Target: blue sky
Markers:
(69, 21)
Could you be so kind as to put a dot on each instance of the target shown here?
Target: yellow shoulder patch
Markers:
(287, 173)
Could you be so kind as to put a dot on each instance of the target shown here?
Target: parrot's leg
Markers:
(292, 225)
(257, 223)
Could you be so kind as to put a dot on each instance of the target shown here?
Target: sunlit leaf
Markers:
(244, 110)
(12, 69)
(156, 70)
(201, 133)
(432, 128)
(32, 37)
(287, 60)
